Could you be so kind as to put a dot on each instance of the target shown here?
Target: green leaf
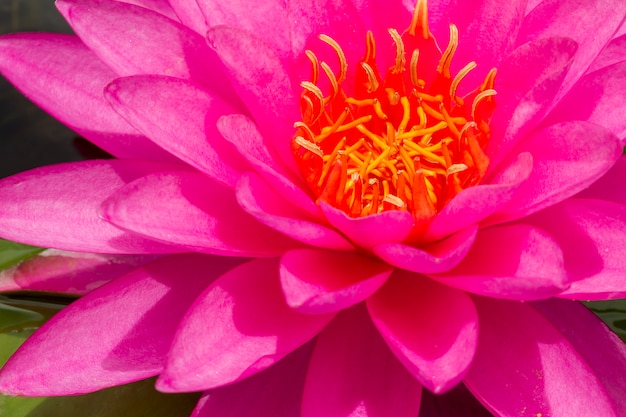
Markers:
(613, 313)
(20, 315)
(12, 253)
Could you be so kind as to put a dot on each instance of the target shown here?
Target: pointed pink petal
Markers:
(597, 98)
(572, 19)
(568, 157)
(82, 349)
(190, 15)
(525, 366)
(514, 261)
(367, 232)
(316, 281)
(239, 326)
(188, 209)
(431, 259)
(160, 6)
(602, 349)
(263, 84)
(68, 272)
(269, 208)
(274, 392)
(38, 65)
(181, 118)
(614, 52)
(591, 235)
(243, 134)
(267, 20)
(432, 329)
(353, 373)
(605, 188)
(474, 204)
(527, 85)
(161, 46)
(58, 206)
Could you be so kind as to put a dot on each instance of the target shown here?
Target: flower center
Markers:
(405, 141)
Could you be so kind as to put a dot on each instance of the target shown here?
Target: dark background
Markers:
(28, 136)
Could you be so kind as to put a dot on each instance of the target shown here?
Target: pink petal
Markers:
(82, 349)
(39, 63)
(370, 231)
(262, 83)
(353, 373)
(191, 211)
(431, 259)
(527, 85)
(474, 204)
(243, 134)
(58, 206)
(316, 281)
(162, 46)
(597, 98)
(160, 6)
(614, 52)
(190, 15)
(591, 235)
(274, 392)
(181, 118)
(525, 366)
(597, 344)
(568, 157)
(69, 272)
(239, 326)
(572, 19)
(432, 329)
(514, 261)
(268, 207)
(267, 20)
(605, 188)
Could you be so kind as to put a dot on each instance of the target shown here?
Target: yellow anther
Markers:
(459, 76)
(480, 97)
(378, 109)
(446, 57)
(312, 88)
(490, 80)
(422, 116)
(360, 103)
(400, 58)
(449, 120)
(413, 68)
(308, 146)
(426, 154)
(366, 162)
(370, 45)
(420, 19)
(331, 161)
(371, 77)
(392, 199)
(307, 129)
(378, 140)
(454, 168)
(427, 97)
(354, 123)
(315, 71)
(329, 130)
(406, 114)
(334, 85)
(343, 63)
(421, 132)
(376, 162)
(393, 96)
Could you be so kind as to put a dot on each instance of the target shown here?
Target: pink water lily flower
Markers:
(344, 202)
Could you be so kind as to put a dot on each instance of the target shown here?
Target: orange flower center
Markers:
(403, 142)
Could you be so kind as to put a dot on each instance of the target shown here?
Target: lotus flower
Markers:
(347, 202)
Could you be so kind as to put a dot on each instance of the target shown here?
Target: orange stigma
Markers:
(405, 141)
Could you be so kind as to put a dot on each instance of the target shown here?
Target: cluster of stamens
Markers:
(401, 142)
